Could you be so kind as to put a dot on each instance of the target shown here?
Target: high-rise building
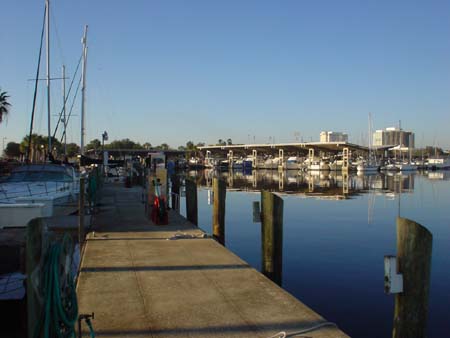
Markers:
(333, 136)
(393, 137)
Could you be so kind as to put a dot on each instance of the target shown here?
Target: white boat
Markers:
(292, 163)
(238, 164)
(36, 190)
(336, 165)
(438, 163)
(406, 166)
(316, 165)
(195, 163)
(367, 167)
(391, 167)
(272, 163)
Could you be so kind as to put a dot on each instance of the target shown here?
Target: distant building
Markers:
(333, 136)
(394, 137)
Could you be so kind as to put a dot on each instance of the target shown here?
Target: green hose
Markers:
(91, 329)
(61, 308)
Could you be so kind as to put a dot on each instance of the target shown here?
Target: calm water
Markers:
(335, 236)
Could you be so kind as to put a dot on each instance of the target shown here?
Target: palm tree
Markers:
(4, 105)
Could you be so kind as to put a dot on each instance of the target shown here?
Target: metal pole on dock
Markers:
(175, 192)
(219, 192)
(191, 201)
(81, 201)
(414, 246)
(272, 236)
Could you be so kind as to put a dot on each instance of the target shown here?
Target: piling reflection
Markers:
(317, 184)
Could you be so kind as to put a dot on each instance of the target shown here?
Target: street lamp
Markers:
(3, 147)
(104, 138)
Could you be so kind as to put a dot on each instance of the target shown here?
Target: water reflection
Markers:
(333, 250)
(319, 184)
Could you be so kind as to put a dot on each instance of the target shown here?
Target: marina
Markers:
(207, 170)
(333, 243)
(174, 281)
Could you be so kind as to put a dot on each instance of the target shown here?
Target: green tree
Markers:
(229, 142)
(72, 149)
(4, 105)
(147, 145)
(123, 144)
(12, 150)
(37, 145)
(95, 144)
(190, 145)
(163, 146)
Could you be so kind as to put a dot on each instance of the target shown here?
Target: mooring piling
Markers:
(414, 246)
(191, 201)
(219, 192)
(272, 235)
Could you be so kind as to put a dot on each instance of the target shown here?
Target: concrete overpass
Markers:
(303, 147)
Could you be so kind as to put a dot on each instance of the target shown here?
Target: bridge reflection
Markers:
(320, 184)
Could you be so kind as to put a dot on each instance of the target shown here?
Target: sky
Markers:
(264, 71)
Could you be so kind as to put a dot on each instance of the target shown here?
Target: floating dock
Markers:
(142, 280)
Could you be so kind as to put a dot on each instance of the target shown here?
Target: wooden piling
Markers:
(81, 201)
(191, 201)
(219, 191)
(414, 246)
(272, 236)
(34, 251)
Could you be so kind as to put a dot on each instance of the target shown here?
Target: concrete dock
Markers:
(143, 280)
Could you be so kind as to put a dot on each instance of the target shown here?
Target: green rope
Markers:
(60, 313)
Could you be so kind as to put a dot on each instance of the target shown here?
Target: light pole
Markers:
(3, 147)
(104, 138)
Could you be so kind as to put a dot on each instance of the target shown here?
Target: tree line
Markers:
(39, 147)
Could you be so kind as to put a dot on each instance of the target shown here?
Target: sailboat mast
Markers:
(47, 16)
(83, 89)
(64, 108)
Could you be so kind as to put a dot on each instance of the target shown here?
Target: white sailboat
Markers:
(371, 164)
(38, 190)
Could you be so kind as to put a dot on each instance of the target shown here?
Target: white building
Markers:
(333, 136)
(393, 137)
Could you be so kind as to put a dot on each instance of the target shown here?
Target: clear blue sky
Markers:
(173, 71)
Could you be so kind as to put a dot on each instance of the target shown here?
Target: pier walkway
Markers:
(142, 280)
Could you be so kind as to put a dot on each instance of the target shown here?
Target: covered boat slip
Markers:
(143, 280)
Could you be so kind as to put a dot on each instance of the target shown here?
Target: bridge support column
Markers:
(255, 159)
(230, 159)
(345, 160)
(310, 156)
(281, 157)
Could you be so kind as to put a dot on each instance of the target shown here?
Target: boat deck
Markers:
(143, 280)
